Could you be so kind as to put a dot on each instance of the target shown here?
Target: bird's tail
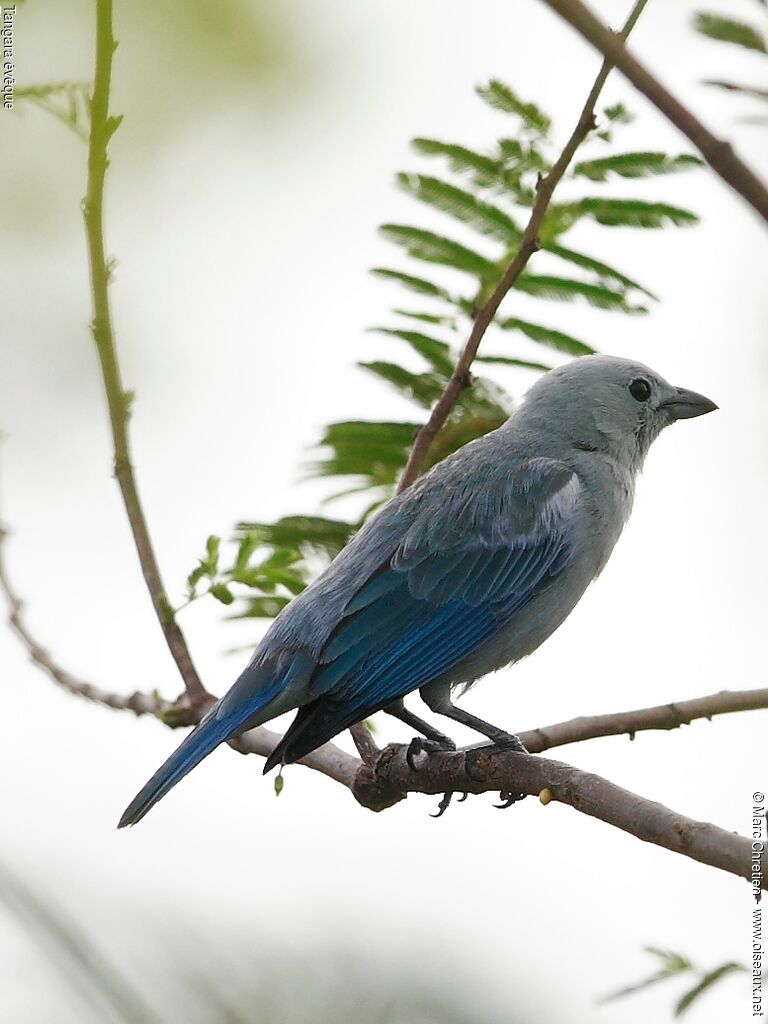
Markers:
(211, 732)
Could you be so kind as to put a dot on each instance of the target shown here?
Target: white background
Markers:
(244, 224)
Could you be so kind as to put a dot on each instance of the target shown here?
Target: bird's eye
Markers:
(640, 389)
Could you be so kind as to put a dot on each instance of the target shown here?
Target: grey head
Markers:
(609, 405)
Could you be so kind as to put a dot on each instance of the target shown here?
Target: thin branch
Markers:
(662, 716)
(718, 154)
(529, 244)
(513, 773)
(102, 127)
(139, 703)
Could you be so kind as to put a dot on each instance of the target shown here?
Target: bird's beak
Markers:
(684, 404)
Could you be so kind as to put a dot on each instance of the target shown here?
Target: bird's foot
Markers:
(419, 745)
(508, 741)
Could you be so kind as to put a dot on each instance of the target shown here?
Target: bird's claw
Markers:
(508, 799)
(445, 803)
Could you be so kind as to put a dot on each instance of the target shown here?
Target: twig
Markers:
(663, 716)
(102, 127)
(529, 244)
(509, 772)
(718, 154)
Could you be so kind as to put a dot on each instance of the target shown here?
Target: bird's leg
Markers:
(442, 705)
(434, 741)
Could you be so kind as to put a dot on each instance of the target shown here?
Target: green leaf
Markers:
(292, 581)
(437, 353)
(461, 205)
(549, 337)
(222, 593)
(485, 169)
(212, 545)
(672, 964)
(618, 114)
(746, 90)
(432, 248)
(563, 289)
(415, 284)
(508, 361)
(316, 532)
(428, 318)
(601, 269)
(627, 213)
(726, 30)
(263, 607)
(705, 983)
(635, 165)
(424, 388)
(499, 95)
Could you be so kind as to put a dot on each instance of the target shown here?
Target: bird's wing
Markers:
(462, 571)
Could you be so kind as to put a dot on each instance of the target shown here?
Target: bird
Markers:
(468, 570)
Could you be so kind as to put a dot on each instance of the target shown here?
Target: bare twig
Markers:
(102, 128)
(529, 244)
(718, 154)
(663, 716)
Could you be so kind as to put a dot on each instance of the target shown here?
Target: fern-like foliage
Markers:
(747, 36)
(674, 965)
(479, 202)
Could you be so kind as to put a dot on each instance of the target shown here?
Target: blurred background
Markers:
(254, 163)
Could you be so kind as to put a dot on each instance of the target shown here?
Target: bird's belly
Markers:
(526, 631)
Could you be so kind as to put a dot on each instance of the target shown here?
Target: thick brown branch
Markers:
(718, 154)
(508, 772)
(102, 127)
(529, 244)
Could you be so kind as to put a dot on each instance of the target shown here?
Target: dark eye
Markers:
(640, 389)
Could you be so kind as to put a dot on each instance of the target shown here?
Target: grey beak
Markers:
(684, 404)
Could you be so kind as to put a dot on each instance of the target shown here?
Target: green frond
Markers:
(745, 90)
(484, 169)
(433, 248)
(422, 388)
(428, 318)
(704, 984)
(618, 114)
(563, 289)
(462, 205)
(525, 364)
(626, 213)
(727, 30)
(499, 95)
(437, 353)
(414, 284)
(603, 270)
(315, 532)
(635, 165)
(68, 102)
(262, 607)
(548, 336)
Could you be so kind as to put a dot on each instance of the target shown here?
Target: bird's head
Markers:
(610, 405)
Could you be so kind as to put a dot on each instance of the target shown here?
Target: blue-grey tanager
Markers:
(468, 570)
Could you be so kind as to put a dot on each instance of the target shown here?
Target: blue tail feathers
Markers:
(208, 735)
